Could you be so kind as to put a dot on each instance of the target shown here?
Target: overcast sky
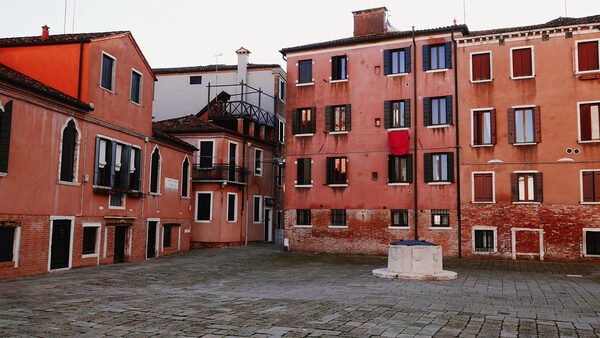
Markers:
(174, 33)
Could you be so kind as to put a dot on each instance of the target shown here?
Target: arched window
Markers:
(68, 157)
(185, 174)
(155, 172)
(5, 125)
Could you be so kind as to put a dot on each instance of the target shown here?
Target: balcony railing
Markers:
(241, 109)
(220, 173)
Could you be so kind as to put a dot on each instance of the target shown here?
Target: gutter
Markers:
(457, 152)
(415, 162)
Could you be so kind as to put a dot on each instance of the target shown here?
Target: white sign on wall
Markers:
(171, 183)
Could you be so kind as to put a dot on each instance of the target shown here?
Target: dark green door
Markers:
(61, 244)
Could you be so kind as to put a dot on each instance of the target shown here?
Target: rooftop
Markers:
(56, 39)
(187, 124)
(211, 68)
(558, 22)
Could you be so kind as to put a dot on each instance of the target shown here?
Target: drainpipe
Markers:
(245, 192)
(80, 71)
(415, 162)
(457, 171)
(82, 171)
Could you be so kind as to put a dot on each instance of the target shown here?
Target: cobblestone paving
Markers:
(262, 292)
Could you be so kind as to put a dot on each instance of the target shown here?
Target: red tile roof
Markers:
(211, 68)
(558, 22)
(161, 135)
(56, 39)
(188, 124)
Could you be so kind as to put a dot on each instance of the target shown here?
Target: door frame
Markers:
(61, 218)
(156, 236)
(514, 242)
(269, 227)
(126, 241)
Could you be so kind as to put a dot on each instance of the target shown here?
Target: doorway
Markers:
(60, 247)
(268, 225)
(120, 240)
(152, 239)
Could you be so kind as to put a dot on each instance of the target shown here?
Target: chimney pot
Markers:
(370, 21)
(45, 32)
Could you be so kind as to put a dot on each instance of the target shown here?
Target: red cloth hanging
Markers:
(398, 142)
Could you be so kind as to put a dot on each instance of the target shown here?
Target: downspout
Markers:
(457, 171)
(80, 71)
(85, 139)
(415, 166)
(245, 192)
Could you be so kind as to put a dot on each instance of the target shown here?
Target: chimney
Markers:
(45, 32)
(370, 21)
(242, 67)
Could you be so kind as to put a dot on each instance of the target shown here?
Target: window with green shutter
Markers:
(396, 114)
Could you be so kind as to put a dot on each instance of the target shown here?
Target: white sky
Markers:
(173, 33)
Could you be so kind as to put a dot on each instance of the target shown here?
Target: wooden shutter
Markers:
(409, 168)
(514, 187)
(427, 111)
(537, 124)
(5, 130)
(477, 127)
(407, 66)
(329, 170)
(449, 109)
(348, 117)
(448, 51)
(387, 62)
(585, 120)
(295, 121)
(96, 164)
(335, 68)
(328, 112)
(426, 57)
(111, 166)
(391, 172)
(300, 171)
(587, 178)
(522, 62)
(539, 187)
(477, 187)
(406, 113)
(307, 171)
(493, 125)
(428, 167)
(587, 56)
(517, 63)
(387, 114)
(480, 67)
(124, 172)
(450, 167)
(313, 119)
(511, 126)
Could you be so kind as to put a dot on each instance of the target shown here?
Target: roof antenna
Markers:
(465, 11)
(566, 15)
(73, 27)
(65, 19)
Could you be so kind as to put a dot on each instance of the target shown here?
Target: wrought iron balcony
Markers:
(220, 173)
(241, 109)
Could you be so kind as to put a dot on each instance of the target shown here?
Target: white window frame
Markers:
(258, 166)
(494, 229)
(76, 157)
(581, 185)
(392, 226)
(158, 184)
(525, 107)
(297, 225)
(214, 149)
(196, 220)
(519, 190)
(473, 111)
(493, 186)
(281, 80)
(260, 206)
(579, 104)
(584, 244)
(60, 218)
(512, 76)
(114, 72)
(123, 202)
(16, 246)
(133, 70)
(98, 227)
(187, 194)
(235, 208)
(491, 69)
(576, 61)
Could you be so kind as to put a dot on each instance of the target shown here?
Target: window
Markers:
(522, 62)
(135, 169)
(136, 87)
(483, 187)
(116, 200)
(206, 154)
(195, 79)
(90, 240)
(281, 132)
(439, 167)
(338, 217)
(203, 206)
(589, 122)
(280, 175)
(396, 114)
(7, 240)
(5, 127)
(437, 110)
(258, 159)
(303, 217)
(587, 56)
(304, 171)
(437, 56)
(337, 171)
(257, 203)
(396, 61)
(338, 68)
(231, 207)
(399, 218)
(281, 89)
(167, 236)
(526, 187)
(337, 118)
(592, 241)
(484, 127)
(485, 240)
(304, 121)
(590, 186)
(400, 169)
(185, 178)
(68, 153)
(524, 125)
(119, 171)
(107, 78)
(305, 71)
(481, 66)
(440, 218)
(155, 172)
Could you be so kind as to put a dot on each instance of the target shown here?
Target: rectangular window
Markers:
(279, 175)
(524, 125)
(136, 87)
(481, 66)
(281, 89)
(107, 78)
(303, 217)
(396, 114)
(338, 68)
(440, 218)
(5, 129)
(204, 206)
(7, 240)
(257, 209)
(587, 56)
(231, 207)
(399, 217)
(396, 61)
(206, 154)
(589, 122)
(89, 240)
(483, 187)
(337, 118)
(526, 187)
(590, 186)
(258, 159)
(116, 200)
(484, 127)
(522, 62)
(484, 240)
(305, 71)
(337, 170)
(437, 110)
(592, 242)
(437, 56)
(400, 169)
(195, 79)
(281, 132)
(304, 121)
(135, 169)
(338, 217)
(304, 171)
(439, 167)
(167, 236)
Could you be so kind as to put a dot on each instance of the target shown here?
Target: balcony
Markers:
(220, 173)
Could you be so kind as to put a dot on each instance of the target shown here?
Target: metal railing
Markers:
(220, 173)
(241, 109)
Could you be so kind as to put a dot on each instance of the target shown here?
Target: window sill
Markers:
(397, 74)
(108, 90)
(337, 185)
(3, 174)
(439, 183)
(525, 144)
(155, 194)
(590, 255)
(72, 184)
(116, 208)
(437, 70)
(258, 175)
(579, 141)
(391, 227)
(440, 228)
(257, 222)
(185, 198)
(337, 132)
(304, 84)
(203, 221)
(232, 222)
(399, 184)
(484, 252)
(398, 128)
(337, 226)
(482, 202)
(522, 77)
(338, 81)
(303, 185)
(95, 255)
(587, 72)
(305, 135)
(136, 103)
(439, 126)
(525, 202)
(482, 81)
(482, 145)
(590, 203)
(301, 226)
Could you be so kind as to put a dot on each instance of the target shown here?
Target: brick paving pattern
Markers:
(261, 292)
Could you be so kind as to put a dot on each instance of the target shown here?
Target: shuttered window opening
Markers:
(185, 178)
(257, 203)
(437, 56)
(481, 67)
(337, 118)
(5, 130)
(206, 154)
(484, 241)
(303, 217)
(7, 239)
(396, 114)
(203, 206)
(117, 165)
(587, 56)
(590, 181)
(107, 77)
(589, 122)
(279, 175)
(231, 207)
(258, 159)
(483, 188)
(339, 68)
(155, 172)
(437, 110)
(527, 187)
(116, 200)
(522, 62)
(400, 169)
(440, 218)
(89, 240)
(399, 217)
(524, 125)
(305, 71)
(396, 61)
(592, 242)
(338, 217)
(136, 87)
(167, 235)
(484, 127)
(439, 167)
(69, 150)
(304, 121)
(337, 170)
(304, 176)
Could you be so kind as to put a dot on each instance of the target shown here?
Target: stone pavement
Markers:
(261, 292)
